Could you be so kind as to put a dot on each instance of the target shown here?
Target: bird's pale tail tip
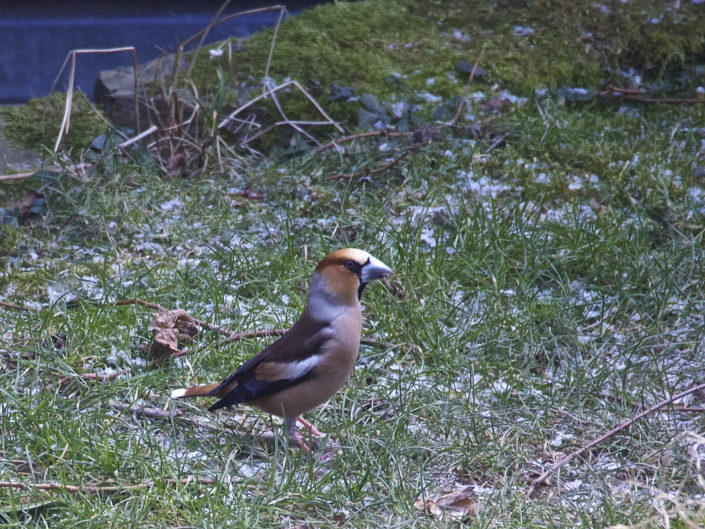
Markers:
(178, 393)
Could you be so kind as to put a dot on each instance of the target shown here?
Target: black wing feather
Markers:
(303, 340)
(251, 389)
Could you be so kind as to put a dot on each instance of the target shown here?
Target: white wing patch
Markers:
(292, 370)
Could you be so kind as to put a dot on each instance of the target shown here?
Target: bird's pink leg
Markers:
(294, 435)
(299, 441)
(311, 428)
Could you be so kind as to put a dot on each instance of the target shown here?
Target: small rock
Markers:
(371, 113)
(114, 90)
(369, 102)
(341, 92)
(466, 67)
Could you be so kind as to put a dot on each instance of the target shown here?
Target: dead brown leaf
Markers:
(427, 506)
(458, 505)
(176, 164)
(171, 329)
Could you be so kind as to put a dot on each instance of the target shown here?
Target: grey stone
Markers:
(114, 92)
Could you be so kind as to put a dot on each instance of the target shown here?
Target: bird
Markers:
(311, 361)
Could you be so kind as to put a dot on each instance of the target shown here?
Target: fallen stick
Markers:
(230, 335)
(8, 305)
(626, 424)
(370, 171)
(16, 176)
(635, 95)
(101, 489)
(141, 411)
(352, 137)
(467, 89)
(88, 376)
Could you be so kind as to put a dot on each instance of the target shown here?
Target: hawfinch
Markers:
(312, 360)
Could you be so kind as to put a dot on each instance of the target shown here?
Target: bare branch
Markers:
(626, 424)
(102, 489)
(635, 95)
(352, 137)
(141, 411)
(370, 171)
(467, 89)
(13, 306)
(65, 122)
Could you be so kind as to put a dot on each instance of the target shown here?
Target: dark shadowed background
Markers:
(36, 36)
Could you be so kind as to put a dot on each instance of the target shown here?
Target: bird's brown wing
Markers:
(287, 362)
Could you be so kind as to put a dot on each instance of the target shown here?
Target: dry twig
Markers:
(101, 489)
(626, 424)
(141, 411)
(216, 22)
(232, 335)
(8, 305)
(16, 176)
(72, 75)
(636, 95)
(270, 92)
(368, 172)
(352, 137)
(467, 89)
(105, 377)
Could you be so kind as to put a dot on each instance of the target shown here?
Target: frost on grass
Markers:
(480, 185)
(478, 379)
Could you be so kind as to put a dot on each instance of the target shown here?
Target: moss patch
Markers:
(37, 123)
(400, 47)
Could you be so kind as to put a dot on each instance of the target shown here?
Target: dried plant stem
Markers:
(636, 95)
(71, 57)
(287, 121)
(141, 411)
(102, 489)
(293, 124)
(352, 137)
(137, 138)
(204, 33)
(13, 306)
(282, 12)
(467, 89)
(282, 86)
(87, 376)
(626, 424)
(230, 335)
(216, 22)
(17, 176)
(370, 171)
(137, 301)
(103, 378)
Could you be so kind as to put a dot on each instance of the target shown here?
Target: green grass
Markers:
(522, 326)
(549, 277)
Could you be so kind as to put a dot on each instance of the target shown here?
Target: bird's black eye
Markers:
(349, 264)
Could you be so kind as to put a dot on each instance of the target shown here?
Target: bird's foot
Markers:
(296, 438)
(311, 428)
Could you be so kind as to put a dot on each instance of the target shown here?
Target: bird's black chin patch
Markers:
(360, 289)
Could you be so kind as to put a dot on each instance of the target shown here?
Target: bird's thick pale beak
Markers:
(374, 269)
